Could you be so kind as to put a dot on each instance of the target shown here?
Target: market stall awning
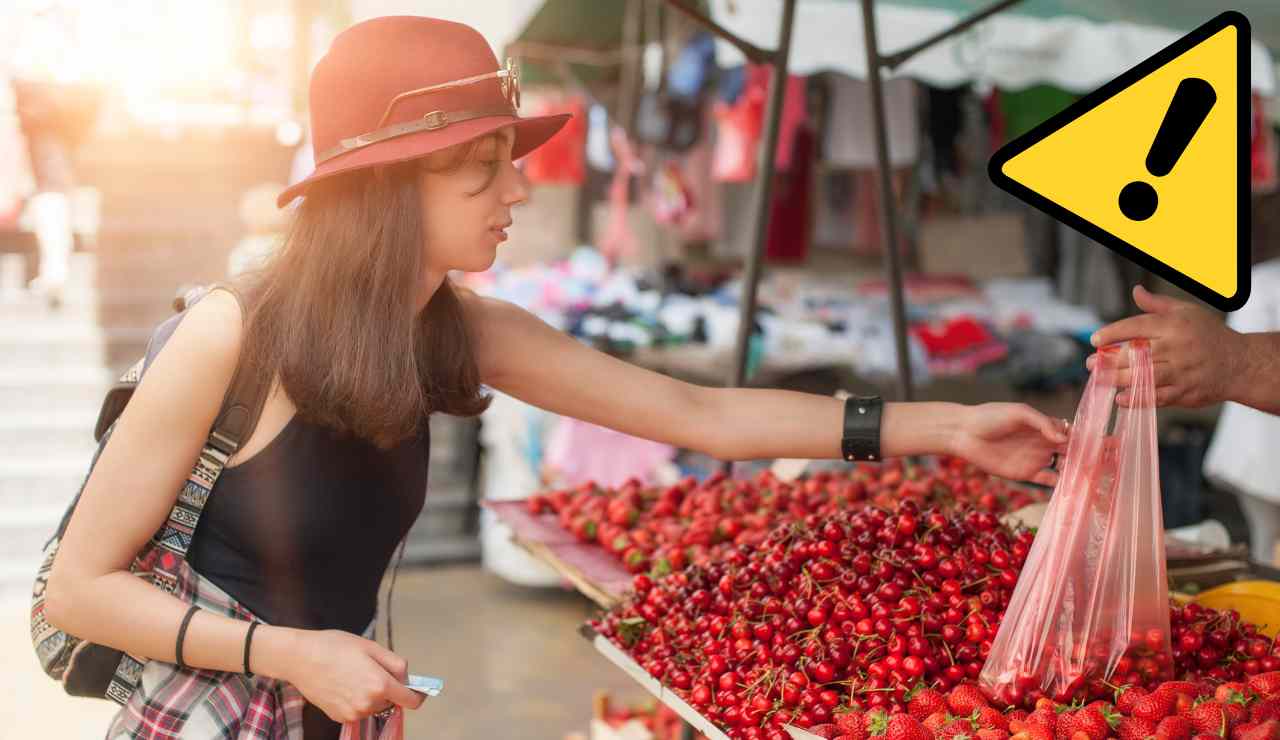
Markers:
(1076, 45)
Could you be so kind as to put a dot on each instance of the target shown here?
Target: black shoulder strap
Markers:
(245, 397)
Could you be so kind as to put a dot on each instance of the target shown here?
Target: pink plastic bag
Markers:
(1093, 589)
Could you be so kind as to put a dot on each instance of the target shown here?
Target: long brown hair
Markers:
(331, 313)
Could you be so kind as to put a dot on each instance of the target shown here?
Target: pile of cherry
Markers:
(661, 530)
(855, 617)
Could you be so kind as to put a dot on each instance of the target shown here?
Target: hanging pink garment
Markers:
(618, 241)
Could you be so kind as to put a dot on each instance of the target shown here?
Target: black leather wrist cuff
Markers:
(861, 440)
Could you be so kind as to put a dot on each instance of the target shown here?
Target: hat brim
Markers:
(531, 133)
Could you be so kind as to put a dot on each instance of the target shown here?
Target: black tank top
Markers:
(301, 532)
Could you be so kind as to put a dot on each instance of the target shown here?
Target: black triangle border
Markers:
(1109, 90)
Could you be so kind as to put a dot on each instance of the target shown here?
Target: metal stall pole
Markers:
(888, 208)
(888, 213)
(761, 196)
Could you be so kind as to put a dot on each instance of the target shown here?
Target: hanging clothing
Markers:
(562, 159)
(1025, 109)
(868, 235)
(739, 125)
(790, 222)
(850, 139)
(945, 124)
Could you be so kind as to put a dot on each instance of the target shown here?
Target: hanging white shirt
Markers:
(1245, 452)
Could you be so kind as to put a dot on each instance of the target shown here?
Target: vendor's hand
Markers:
(349, 677)
(1193, 353)
(1012, 440)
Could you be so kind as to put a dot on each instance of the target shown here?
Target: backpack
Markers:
(90, 670)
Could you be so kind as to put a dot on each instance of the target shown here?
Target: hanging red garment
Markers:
(739, 126)
(868, 237)
(790, 225)
(562, 159)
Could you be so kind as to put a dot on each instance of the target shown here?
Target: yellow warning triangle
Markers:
(1172, 134)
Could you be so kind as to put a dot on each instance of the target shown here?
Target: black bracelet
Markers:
(248, 640)
(861, 440)
(182, 635)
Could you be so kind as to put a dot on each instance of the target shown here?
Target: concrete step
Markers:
(41, 484)
(63, 392)
(29, 346)
(16, 578)
(23, 544)
(42, 434)
(82, 271)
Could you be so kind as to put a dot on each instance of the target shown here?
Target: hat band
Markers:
(433, 121)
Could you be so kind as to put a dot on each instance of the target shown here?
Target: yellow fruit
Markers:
(1257, 602)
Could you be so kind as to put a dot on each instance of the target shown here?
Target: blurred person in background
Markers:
(359, 335)
(56, 107)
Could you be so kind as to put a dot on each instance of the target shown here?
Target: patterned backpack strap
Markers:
(241, 408)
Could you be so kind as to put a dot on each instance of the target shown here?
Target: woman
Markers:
(361, 335)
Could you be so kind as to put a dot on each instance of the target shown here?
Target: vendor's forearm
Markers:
(752, 423)
(1258, 382)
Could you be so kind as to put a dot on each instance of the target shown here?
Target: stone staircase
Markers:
(52, 379)
(57, 364)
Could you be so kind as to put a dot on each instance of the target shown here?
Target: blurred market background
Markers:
(183, 119)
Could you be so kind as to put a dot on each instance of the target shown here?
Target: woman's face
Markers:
(466, 209)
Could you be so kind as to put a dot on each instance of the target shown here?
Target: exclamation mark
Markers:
(1191, 105)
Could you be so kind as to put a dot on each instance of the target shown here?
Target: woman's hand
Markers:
(348, 677)
(1011, 440)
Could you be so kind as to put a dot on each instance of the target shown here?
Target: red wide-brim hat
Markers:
(355, 123)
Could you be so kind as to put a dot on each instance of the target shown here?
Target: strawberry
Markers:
(1133, 728)
(935, 722)
(1265, 684)
(1154, 707)
(1175, 728)
(1092, 722)
(990, 718)
(1034, 732)
(1230, 691)
(1066, 728)
(1210, 718)
(1237, 713)
(965, 698)
(1046, 718)
(853, 725)
(960, 729)
(905, 727)
(877, 723)
(1183, 703)
(826, 732)
(988, 733)
(1269, 730)
(926, 702)
(1172, 688)
(1265, 709)
(1203, 736)
(1017, 714)
(1127, 696)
